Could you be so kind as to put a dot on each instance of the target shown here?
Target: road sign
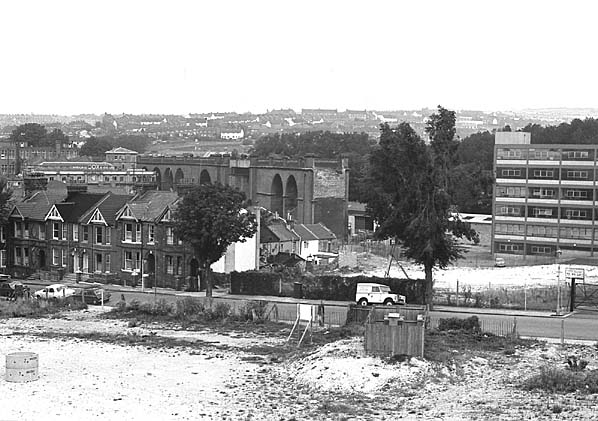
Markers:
(573, 273)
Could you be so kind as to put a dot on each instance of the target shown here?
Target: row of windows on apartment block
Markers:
(581, 233)
(131, 260)
(546, 173)
(100, 234)
(545, 212)
(97, 179)
(539, 249)
(545, 192)
(552, 154)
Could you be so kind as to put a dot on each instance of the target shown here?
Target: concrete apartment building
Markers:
(544, 198)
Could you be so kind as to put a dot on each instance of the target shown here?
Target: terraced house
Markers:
(545, 198)
(108, 237)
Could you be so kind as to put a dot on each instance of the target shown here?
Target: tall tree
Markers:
(210, 217)
(440, 127)
(95, 146)
(409, 200)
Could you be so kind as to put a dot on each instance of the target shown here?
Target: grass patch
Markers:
(559, 380)
(38, 308)
(443, 346)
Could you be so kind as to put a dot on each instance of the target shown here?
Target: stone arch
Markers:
(178, 176)
(168, 179)
(290, 198)
(204, 177)
(158, 174)
(276, 196)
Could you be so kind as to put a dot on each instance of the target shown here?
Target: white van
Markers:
(370, 293)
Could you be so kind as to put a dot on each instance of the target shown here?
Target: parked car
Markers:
(92, 294)
(499, 262)
(370, 293)
(13, 289)
(54, 291)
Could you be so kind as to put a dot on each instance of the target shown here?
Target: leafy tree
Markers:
(95, 147)
(36, 135)
(409, 199)
(5, 199)
(210, 217)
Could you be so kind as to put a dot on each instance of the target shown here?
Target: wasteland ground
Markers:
(105, 368)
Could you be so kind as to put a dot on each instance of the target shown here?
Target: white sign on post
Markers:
(574, 273)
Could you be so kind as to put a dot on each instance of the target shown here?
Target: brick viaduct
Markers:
(307, 189)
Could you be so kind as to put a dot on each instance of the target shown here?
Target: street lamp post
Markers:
(559, 252)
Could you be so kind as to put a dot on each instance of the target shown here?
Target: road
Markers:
(582, 326)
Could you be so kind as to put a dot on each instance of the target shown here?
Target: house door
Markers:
(42, 258)
(85, 263)
(99, 266)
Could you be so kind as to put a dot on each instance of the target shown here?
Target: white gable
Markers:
(97, 218)
(167, 216)
(54, 215)
(127, 214)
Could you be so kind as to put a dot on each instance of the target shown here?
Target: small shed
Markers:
(395, 330)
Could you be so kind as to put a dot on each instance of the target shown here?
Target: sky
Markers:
(179, 57)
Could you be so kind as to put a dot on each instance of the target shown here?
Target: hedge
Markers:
(255, 283)
(335, 287)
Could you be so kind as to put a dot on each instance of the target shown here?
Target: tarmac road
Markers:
(582, 325)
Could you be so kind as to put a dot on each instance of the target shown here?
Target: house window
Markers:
(543, 193)
(85, 233)
(3, 258)
(63, 252)
(107, 265)
(128, 260)
(576, 214)
(55, 230)
(128, 233)
(541, 250)
(3, 234)
(514, 153)
(542, 212)
(17, 229)
(579, 175)
(508, 247)
(107, 230)
(169, 235)
(26, 229)
(138, 233)
(151, 233)
(137, 260)
(75, 232)
(576, 194)
(543, 173)
(169, 265)
(511, 173)
(55, 257)
(305, 244)
(98, 267)
(99, 235)
(509, 210)
(576, 154)
(64, 231)
(25, 256)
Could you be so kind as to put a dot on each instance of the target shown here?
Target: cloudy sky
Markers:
(91, 56)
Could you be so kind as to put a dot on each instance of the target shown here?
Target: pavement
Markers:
(221, 293)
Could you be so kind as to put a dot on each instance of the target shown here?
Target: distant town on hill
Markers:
(247, 127)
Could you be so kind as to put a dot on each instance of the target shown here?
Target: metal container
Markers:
(22, 367)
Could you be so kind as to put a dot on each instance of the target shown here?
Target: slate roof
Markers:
(150, 206)
(109, 205)
(34, 211)
(77, 204)
(318, 231)
(282, 233)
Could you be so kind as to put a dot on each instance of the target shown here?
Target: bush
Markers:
(553, 379)
(188, 307)
(254, 311)
(221, 311)
(470, 324)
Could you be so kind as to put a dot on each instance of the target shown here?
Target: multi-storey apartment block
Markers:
(544, 198)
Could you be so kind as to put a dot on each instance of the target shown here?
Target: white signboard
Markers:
(304, 312)
(573, 273)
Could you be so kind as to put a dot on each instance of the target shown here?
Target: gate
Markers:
(584, 294)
